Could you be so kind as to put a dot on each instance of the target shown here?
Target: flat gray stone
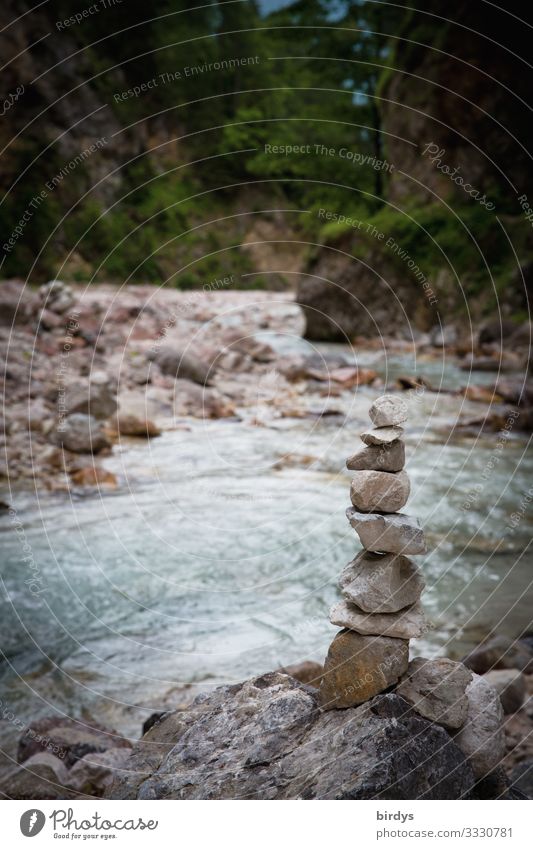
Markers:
(404, 625)
(386, 492)
(388, 411)
(381, 583)
(437, 690)
(397, 533)
(381, 435)
(381, 458)
(482, 739)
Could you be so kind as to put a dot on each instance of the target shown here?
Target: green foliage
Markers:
(279, 105)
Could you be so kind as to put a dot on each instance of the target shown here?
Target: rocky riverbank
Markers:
(87, 367)
(268, 738)
(93, 375)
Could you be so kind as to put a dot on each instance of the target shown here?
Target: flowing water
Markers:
(217, 557)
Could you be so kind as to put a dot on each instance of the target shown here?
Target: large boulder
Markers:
(266, 739)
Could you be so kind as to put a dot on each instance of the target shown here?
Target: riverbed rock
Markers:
(42, 776)
(95, 772)
(82, 434)
(436, 689)
(267, 739)
(93, 476)
(381, 435)
(56, 296)
(510, 684)
(306, 672)
(179, 364)
(96, 397)
(372, 491)
(359, 667)
(500, 652)
(67, 739)
(388, 411)
(381, 583)
(404, 625)
(397, 533)
(482, 738)
(381, 458)
(130, 425)
(15, 297)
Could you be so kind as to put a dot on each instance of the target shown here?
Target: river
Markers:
(218, 555)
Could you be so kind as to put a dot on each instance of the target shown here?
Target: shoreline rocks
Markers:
(267, 739)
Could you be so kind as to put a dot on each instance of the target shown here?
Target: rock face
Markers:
(382, 458)
(82, 434)
(388, 411)
(397, 533)
(510, 684)
(436, 689)
(266, 739)
(359, 667)
(405, 625)
(381, 583)
(379, 491)
(381, 435)
(482, 738)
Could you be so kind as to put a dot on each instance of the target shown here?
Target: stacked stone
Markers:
(381, 587)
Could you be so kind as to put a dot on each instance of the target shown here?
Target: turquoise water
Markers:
(217, 556)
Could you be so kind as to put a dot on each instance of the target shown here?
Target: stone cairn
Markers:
(381, 587)
(381, 609)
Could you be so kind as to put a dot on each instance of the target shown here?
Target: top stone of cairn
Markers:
(388, 411)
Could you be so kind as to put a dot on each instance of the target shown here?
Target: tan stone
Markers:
(386, 492)
(358, 668)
